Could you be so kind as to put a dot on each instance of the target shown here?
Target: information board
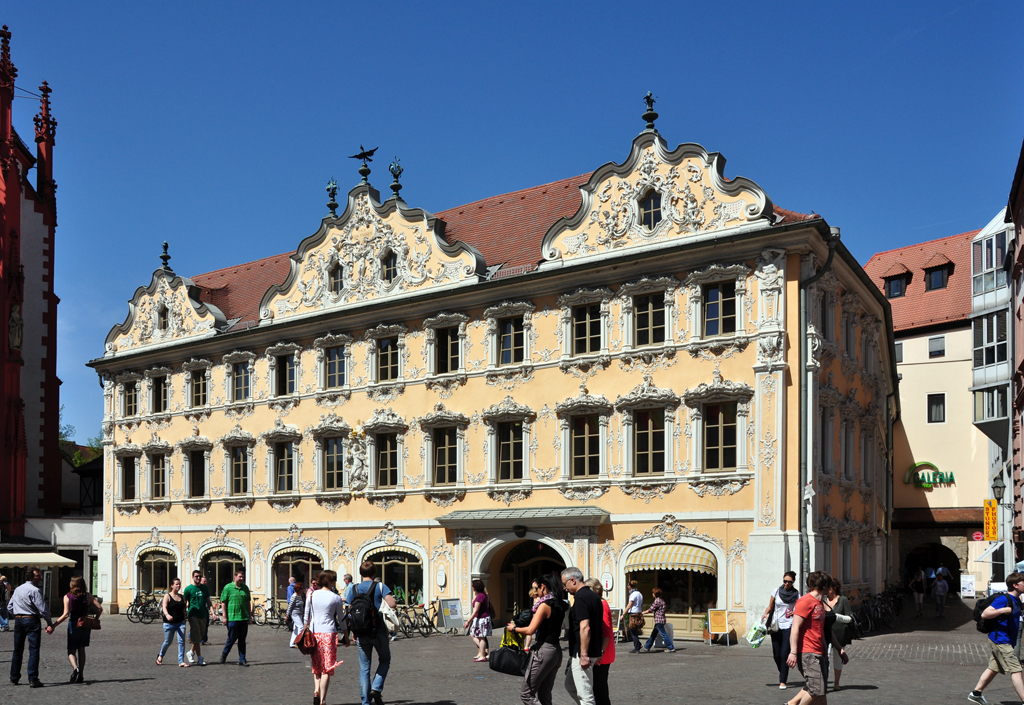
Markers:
(718, 621)
(991, 520)
(451, 614)
(966, 585)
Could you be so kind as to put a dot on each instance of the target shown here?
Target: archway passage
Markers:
(524, 562)
(928, 557)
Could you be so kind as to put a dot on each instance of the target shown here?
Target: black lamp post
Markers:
(998, 487)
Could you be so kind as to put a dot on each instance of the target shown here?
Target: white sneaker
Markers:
(980, 699)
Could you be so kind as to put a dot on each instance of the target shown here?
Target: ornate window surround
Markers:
(229, 361)
(330, 426)
(186, 446)
(122, 380)
(508, 410)
(639, 287)
(718, 391)
(272, 354)
(156, 446)
(647, 396)
(695, 283)
(235, 438)
(850, 323)
(431, 325)
(493, 314)
(195, 365)
(282, 433)
(584, 297)
(385, 421)
(128, 450)
(394, 330)
(320, 345)
(443, 418)
(150, 389)
(584, 403)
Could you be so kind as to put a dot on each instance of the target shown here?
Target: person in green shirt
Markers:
(197, 596)
(235, 601)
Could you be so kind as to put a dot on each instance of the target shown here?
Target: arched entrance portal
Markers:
(931, 556)
(513, 569)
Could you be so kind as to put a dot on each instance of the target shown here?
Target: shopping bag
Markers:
(510, 658)
(756, 634)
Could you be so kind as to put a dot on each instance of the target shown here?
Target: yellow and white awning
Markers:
(673, 557)
(35, 560)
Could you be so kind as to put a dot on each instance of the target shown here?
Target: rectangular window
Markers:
(850, 334)
(990, 404)
(720, 437)
(867, 457)
(990, 339)
(827, 546)
(239, 470)
(334, 358)
(157, 462)
(198, 388)
(849, 434)
(131, 398)
(334, 464)
(128, 478)
(825, 314)
(387, 359)
(937, 346)
(586, 329)
(649, 319)
(586, 446)
(446, 350)
(284, 477)
(987, 263)
(197, 473)
(936, 278)
(240, 381)
(285, 375)
(827, 446)
(846, 547)
(510, 451)
(895, 287)
(159, 395)
(446, 456)
(510, 341)
(719, 309)
(936, 408)
(899, 352)
(387, 460)
(649, 442)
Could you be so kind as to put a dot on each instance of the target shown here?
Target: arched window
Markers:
(650, 209)
(299, 565)
(389, 266)
(402, 572)
(337, 279)
(219, 568)
(156, 571)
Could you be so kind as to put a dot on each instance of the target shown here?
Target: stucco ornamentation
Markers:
(670, 531)
(508, 496)
(719, 487)
(583, 493)
(445, 498)
(647, 490)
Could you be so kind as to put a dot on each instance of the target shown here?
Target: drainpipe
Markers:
(805, 389)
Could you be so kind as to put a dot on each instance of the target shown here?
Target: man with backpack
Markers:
(1001, 618)
(367, 624)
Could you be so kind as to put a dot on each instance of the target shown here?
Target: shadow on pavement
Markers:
(857, 687)
(958, 614)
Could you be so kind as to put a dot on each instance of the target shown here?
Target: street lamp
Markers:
(998, 488)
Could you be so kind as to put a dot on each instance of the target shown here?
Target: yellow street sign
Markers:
(991, 520)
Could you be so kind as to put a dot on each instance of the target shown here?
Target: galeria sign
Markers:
(926, 475)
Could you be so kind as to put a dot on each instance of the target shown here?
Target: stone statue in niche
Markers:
(358, 477)
(16, 328)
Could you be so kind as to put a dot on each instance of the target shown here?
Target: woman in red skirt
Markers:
(324, 612)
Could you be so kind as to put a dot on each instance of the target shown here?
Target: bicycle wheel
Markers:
(277, 619)
(133, 613)
(259, 615)
(888, 617)
(423, 625)
(405, 624)
(149, 613)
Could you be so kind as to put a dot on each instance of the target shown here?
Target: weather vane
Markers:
(332, 191)
(367, 156)
(650, 116)
(396, 171)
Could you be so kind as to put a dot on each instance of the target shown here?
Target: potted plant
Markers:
(704, 626)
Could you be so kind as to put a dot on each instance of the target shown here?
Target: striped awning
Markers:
(673, 557)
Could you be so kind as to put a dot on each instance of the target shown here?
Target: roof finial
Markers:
(396, 171)
(332, 191)
(650, 116)
(367, 156)
(166, 258)
(46, 126)
(7, 71)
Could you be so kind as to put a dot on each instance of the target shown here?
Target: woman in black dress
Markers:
(76, 605)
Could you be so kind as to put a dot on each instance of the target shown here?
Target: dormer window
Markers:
(936, 278)
(895, 287)
(650, 209)
(389, 266)
(161, 318)
(336, 279)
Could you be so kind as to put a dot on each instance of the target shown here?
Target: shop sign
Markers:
(978, 536)
(926, 475)
(991, 520)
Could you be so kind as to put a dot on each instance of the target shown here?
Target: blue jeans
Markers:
(3, 620)
(664, 637)
(26, 628)
(169, 631)
(366, 647)
(237, 631)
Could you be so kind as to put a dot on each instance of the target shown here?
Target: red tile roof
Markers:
(919, 308)
(506, 229)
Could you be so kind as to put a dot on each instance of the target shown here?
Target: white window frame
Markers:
(273, 354)
(385, 421)
(150, 376)
(372, 337)
(230, 360)
(186, 447)
(645, 287)
(442, 418)
(447, 320)
(191, 367)
(647, 397)
(719, 392)
(978, 285)
(321, 345)
(507, 411)
(583, 405)
(585, 297)
(237, 438)
(330, 427)
(509, 309)
(120, 454)
(123, 381)
(716, 274)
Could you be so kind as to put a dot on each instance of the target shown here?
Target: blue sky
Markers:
(215, 126)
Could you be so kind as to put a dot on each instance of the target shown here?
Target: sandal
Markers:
(159, 660)
(478, 660)
(183, 665)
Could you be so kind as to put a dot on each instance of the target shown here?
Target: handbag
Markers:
(89, 623)
(636, 622)
(388, 615)
(306, 641)
(509, 658)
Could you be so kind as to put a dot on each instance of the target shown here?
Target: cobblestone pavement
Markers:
(927, 660)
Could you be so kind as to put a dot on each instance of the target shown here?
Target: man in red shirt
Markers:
(807, 642)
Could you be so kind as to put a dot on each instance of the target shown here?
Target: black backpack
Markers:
(363, 615)
(987, 626)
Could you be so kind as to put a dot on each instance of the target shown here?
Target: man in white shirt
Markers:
(634, 610)
(26, 608)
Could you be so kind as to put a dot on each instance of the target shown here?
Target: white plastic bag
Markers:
(756, 634)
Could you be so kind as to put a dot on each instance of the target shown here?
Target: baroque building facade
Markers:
(602, 371)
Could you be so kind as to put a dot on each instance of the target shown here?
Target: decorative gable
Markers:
(167, 310)
(371, 251)
(657, 196)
